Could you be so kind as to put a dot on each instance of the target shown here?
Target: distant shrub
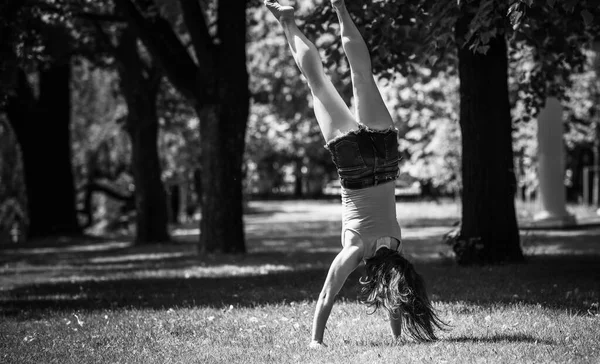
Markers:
(13, 212)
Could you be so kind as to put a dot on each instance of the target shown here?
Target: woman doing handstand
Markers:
(364, 149)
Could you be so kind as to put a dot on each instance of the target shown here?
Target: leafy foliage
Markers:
(582, 105)
(98, 111)
(424, 107)
(549, 45)
(179, 137)
(283, 135)
(547, 37)
(101, 147)
(412, 45)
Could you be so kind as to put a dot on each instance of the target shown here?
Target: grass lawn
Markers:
(106, 301)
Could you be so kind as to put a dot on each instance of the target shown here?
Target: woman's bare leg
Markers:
(370, 108)
(331, 111)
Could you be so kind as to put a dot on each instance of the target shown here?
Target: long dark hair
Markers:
(391, 282)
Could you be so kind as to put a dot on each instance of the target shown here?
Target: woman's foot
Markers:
(337, 3)
(280, 12)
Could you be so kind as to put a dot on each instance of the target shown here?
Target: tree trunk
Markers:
(150, 196)
(489, 231)
(215, 81)
(221, 225)
(43, 129)
(223, 133)
(140, 89)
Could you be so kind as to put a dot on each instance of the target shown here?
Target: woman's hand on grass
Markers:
(316, 345)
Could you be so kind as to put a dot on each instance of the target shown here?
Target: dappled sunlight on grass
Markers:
(279, 333)
(96, 247)
(529, 209)
(110, 301)
(136, 257)
(561, 242)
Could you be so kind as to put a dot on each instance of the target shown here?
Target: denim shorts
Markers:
(365, 157)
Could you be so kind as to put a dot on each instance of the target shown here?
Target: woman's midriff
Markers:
(371, 213)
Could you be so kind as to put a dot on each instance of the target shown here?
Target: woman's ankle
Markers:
(283, 14)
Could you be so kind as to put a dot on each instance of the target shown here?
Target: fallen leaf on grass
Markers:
(594, 309)
(79, 321)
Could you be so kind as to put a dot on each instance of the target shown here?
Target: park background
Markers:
(165, 195)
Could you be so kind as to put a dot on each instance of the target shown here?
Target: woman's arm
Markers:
(344, 263)
(396, 324)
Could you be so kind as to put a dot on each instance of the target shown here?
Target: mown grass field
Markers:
(106, 301)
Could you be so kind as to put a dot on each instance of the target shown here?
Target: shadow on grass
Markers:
(555, 282)
(491, 339)
(448, 222)
(148, 263)
(159, 293)
(274, 247)
(500, 339)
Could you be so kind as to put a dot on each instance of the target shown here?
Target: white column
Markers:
(551, 167)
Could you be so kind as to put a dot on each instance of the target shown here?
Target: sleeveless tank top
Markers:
(371, 213)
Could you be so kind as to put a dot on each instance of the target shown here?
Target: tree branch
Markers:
(194, 19)
(109, 190)
(105, 38)
(232, 33)
(166, 48)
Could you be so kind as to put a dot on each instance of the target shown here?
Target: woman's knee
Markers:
(321, 87)
(317, 85)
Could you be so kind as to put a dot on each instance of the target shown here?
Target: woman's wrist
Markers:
(317, 344)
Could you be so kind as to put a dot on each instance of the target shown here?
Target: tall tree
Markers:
(140, 83)
(215, 81)
(42, 126)
(489, 230)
